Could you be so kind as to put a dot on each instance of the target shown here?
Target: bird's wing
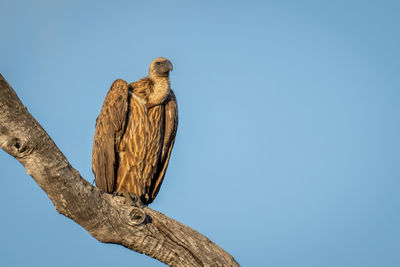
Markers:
(171, 125)
(110, 126)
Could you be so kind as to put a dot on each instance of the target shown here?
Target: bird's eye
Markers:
(158, 63)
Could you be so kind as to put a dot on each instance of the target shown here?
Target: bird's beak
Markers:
(170, 67)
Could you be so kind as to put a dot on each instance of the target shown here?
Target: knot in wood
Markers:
(137, 216)
(18, 147)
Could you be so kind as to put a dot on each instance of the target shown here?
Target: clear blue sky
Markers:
(288, 148)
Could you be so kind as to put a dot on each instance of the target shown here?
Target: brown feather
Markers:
(142, 88)
(110, 126)
(170, 128)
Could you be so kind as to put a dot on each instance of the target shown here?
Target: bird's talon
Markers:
(132, 199)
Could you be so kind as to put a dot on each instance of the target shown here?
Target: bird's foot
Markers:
(133, 200)
(116, 194)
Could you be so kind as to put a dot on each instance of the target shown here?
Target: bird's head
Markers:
(160, 67)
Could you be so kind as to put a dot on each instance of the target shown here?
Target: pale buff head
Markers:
(159, 67)
(159, 77)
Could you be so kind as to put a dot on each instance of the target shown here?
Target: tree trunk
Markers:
(104, 216)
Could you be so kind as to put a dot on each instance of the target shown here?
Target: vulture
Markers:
(135, 133)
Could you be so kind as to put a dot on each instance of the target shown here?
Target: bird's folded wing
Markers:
(171, 125)
(110, 127)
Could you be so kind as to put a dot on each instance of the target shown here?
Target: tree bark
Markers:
(104, 216)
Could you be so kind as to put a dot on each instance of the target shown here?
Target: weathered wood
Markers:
(105, 217)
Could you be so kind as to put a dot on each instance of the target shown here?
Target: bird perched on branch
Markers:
(135, 133)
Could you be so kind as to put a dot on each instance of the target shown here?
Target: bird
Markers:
(134, 135)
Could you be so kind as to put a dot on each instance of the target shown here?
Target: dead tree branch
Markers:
(105, 217)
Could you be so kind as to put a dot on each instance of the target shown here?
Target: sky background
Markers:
(288, 148)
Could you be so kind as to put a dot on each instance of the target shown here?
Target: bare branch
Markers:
(105, 217)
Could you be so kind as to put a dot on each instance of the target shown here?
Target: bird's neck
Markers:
(159, 92)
